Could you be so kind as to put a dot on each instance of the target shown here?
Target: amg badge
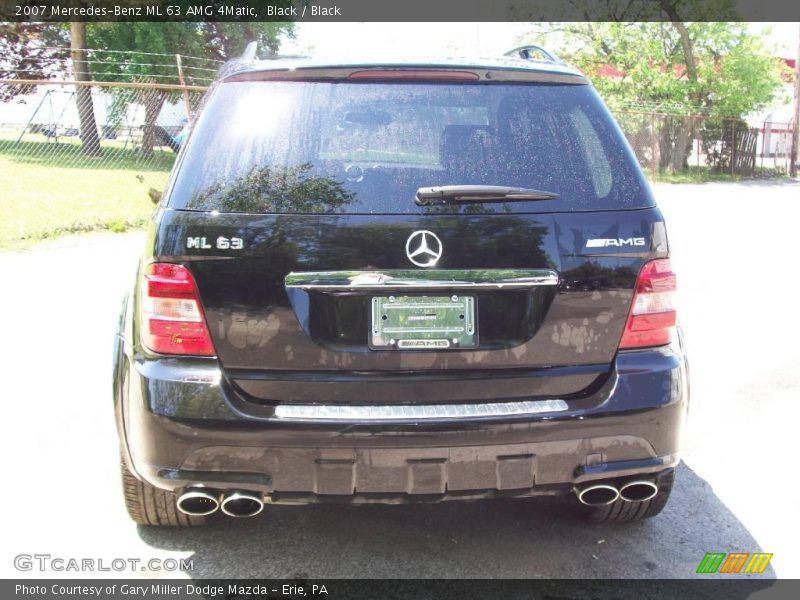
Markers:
(423, 344)
(617, 242)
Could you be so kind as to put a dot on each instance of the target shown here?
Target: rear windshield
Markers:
(320, 147)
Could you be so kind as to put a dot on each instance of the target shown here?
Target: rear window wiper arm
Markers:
(455, 194)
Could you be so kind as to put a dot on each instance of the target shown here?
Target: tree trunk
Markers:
(640, 141)
(153, 101)
(90, 140)
(665, 145)
(670, 7)
(674, 142)
(686, 129)
(680, 150)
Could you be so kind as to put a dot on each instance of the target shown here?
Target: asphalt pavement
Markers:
(735, 248)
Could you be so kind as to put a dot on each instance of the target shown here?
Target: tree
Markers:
(36, 51)
(29, 51)
(217, 41)
(716, 69)
(224, 41)
(90, 140)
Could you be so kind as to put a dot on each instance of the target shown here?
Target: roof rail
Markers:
(288, 57)
(232, 65)
(249, 52)
(526, 52)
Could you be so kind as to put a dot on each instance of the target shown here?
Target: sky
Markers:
(438, 39)
(405, 39)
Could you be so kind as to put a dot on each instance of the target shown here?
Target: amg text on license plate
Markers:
(422, 322)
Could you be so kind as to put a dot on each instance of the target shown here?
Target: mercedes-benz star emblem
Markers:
(424, 248)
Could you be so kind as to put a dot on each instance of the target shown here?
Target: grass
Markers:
(704, 175)
(49, 189)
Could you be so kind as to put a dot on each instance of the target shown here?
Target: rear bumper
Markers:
(180, 427)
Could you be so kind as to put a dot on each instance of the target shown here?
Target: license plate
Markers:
(423, 322)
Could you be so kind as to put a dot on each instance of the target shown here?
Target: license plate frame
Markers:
(422, 322)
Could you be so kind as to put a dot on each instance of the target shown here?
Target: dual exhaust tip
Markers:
(200, 502)
(601, 494)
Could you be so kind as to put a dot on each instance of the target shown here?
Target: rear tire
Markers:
(621, 511)
(149, 505)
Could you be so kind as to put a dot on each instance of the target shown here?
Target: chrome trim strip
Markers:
(179, 370)
(332, 412)
(417, 279)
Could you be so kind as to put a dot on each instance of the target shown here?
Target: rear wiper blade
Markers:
(446, 194)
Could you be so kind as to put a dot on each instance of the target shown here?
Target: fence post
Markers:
(654, 145)
(794, 151)
(733, 145)
(185, 92)
(698, 128)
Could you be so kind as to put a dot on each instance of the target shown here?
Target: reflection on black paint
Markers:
(267, 189)
(472, 208)
(590, 276)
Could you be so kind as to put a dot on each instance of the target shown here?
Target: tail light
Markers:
(172, 318)
(652, 317)
(415, 74)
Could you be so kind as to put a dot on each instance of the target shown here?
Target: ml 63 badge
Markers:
(221, 243)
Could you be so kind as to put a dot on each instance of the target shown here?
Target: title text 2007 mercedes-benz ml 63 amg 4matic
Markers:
(401, 282)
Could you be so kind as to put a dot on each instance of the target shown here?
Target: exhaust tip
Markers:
(598, 495)
(638, 491)
(197, 502)
(242, 504)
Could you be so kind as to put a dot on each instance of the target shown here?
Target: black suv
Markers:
(401, 282)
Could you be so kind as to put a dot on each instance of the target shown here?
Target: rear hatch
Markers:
(302, 208)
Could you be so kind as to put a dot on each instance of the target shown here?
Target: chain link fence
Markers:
(58, 177)
(697, 148)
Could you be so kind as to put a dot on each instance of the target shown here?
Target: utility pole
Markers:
(796, 128)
